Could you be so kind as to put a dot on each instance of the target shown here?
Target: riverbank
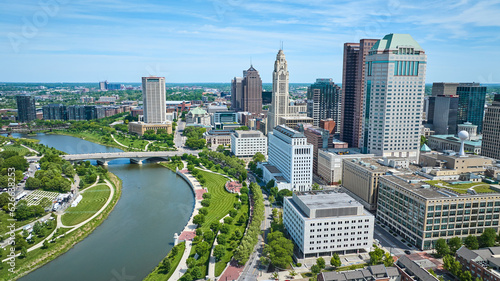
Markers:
(89, 137)
(40, 256)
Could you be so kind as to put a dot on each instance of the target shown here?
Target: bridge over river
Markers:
(135, 157)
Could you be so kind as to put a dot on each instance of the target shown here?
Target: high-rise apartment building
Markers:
(26, 110)
(491, 130)
(290, 160)
(394, 95)
(103, 85)
(252, 91)
(154, 100)
(280, 102)
(55, 112)
(472, 98)
(353, 80)
(324, 102)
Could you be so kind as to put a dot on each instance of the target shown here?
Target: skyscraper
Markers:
(394, 95)
(442, 114)
(154, 100)
(490, 146)
(353, 80)
(236, 93)
(26, 110)
(280, 103)
(252, 91)
(324, 102)
(472, 98)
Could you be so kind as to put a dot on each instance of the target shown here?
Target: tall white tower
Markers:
(280, 98)
(463, 136)
(154, 100)
(394, 96)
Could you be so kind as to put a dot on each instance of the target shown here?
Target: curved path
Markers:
(74, 227)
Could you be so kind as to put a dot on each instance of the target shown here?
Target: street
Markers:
(389, 242)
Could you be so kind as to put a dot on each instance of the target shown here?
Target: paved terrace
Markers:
(135, 157)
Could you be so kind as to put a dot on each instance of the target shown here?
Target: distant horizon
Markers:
(228, 83)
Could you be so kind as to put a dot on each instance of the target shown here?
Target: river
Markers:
(155, 203)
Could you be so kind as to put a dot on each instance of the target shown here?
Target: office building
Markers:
(215, 138)
(280, 100)
(324, 223)
(452, 142)
(223, 119)
(54, 112)
(491, 130)
(246, 143)
(236, 93)
(290, 159)
(26, 110)
(454, 163)
(103, 85)
(471, 102)
(324, 102)
(154, 100)
(423, 211)
(393, 103)
(372, 272)
(442, 114)
(482, 263)
(444, 89)
(252, 91)
(330, 162)
(140, 128)
(320, 138)
(353, 90)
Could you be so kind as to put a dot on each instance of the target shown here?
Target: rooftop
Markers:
(394, 41)
(249, 134)
(453, 138)
(344, 151)
(289, 131)
(326, 200)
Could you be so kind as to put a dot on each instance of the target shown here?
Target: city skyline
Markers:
(87, 41)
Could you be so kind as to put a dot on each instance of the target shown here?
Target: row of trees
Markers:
(378, 256)
(233, 166)
(242, 253)
(487, 239)
(252, 165)
(194, 136)
(50, 176)
(10, 160)
(455, 268)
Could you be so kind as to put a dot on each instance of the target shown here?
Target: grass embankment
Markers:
(40, 256)
(159, 273)
(92, 137)
(22, 151)
(172, 165)
(132, 143)
(92, 201)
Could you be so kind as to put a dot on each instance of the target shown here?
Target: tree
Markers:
(228, 220)
(203, 211)
(166, 265)
(376, 256)
(471, 242)
(214, 226)
(455, 243)
(271, 199)
(388, 260)
(202, 248)
(24, 252)
(316, 186)
(196, 273)
(205, 202)
(279, 249)
(321, 262)
(442, 248)
(208, 236)
(335, 260)
(219, 252)
(225, 228)
(466, 276)
(259, 157)
(45, 244)
(199, 219)
(487, 239)
(315, 269)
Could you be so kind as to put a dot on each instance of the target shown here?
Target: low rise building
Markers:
(247, 143)
(327, 222)
(373, 272)
(198, 116)
(454, 163)
(482, 263)
(330, 162)
(411, 271)
(423, 211)
(451, 142)
(215, 138)
(140, 127)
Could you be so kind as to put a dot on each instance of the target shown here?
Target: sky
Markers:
(215, 40)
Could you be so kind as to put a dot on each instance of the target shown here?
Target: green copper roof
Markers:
(425, 148)
(392, 41)
(197, 111)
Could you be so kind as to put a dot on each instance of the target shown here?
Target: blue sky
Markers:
(214, 40)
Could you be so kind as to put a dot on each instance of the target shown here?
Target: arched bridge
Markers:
(135, 157)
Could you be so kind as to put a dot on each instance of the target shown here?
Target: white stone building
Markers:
(323, 223)
(291, 154)
(247, 143)
(394, 96)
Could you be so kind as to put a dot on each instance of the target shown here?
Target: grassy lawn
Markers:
(128, 141)
(40, 256)
(17, 148)
(93, 200)
(92, 137)
(220, 205)
(462, 187)
(158, 274)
